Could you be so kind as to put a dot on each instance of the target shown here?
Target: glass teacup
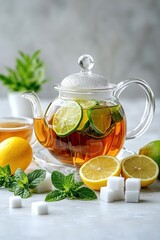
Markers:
(16, 127)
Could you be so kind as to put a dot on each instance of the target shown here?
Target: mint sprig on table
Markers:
(21, 183)
(67, 187)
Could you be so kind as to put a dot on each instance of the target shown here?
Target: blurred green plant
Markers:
(28, 75)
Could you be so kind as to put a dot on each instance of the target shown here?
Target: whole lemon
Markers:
(152, 150)
(16, 152)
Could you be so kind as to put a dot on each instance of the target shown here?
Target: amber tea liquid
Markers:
(18, 129)
(80, 146)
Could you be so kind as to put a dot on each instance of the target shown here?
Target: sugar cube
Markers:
(15, 202)
(132, 196)
(44, 186)
(106, 194)
(39, 208)
(115, 183)
(118, 195)
(133, 184)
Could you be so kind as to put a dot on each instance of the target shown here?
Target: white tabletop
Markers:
(95, 220)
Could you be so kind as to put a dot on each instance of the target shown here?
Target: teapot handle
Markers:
(149, 107)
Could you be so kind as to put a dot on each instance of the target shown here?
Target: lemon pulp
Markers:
(95, 172)
(140, 166)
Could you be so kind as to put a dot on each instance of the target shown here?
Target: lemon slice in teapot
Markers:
(84, 121)
(67, 118)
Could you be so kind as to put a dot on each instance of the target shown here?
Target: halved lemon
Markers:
(67, 118)
(95, 172)
(140, 166)
(100, 119)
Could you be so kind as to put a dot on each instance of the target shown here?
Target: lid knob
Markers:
(85, 79)
(86, 62)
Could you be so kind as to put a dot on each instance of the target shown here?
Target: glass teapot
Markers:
(87, 119)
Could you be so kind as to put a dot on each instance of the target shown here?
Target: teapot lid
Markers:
(86, 79)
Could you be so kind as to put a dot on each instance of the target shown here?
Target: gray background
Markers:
(122, 36)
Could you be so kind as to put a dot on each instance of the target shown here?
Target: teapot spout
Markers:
(36, 106)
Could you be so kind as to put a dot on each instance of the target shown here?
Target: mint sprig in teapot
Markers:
(86, 119)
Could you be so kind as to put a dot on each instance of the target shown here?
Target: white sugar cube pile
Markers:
(132, 193)
(39, 208)
(15, 202)
(114, 191)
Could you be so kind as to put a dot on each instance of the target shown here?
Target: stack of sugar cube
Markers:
(132, 190)
(114, 191)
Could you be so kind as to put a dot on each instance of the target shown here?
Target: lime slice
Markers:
(100, 119)
(117, 113)
(87, 104)
(67, 118)
(89, 131)
(84, 121)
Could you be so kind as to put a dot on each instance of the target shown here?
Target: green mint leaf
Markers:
(58, 180)
(68, 188)
(1, 172)
(69, 181)
(8, 181)
(5, 176)
(85, 194)
(36, 54)
(56, 195)
(35, 177)
(77, 185)
(21, 178)
(13, 185)
(2, 177)
(22, 192)
(1, 182)
(7, 170)
(72, 194)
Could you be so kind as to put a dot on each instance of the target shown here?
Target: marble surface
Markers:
(96, 220)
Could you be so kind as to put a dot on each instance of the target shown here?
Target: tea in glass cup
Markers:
(16, 127)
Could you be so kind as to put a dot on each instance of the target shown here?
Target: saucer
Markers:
(45, 160)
